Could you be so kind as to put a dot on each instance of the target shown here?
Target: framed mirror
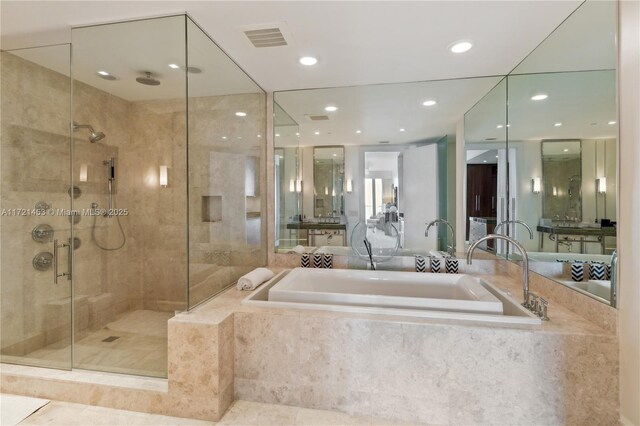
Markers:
(328, 183)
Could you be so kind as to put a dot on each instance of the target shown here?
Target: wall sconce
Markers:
(298, 185)
(333, 192)
(292, 185)
(536, 185)
(164, 176)
(601, 185)
(349, 185)
(326, 191)
(83, 172)
(555, 191)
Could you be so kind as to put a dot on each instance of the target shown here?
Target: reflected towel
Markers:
(297, 249)
(254, 278)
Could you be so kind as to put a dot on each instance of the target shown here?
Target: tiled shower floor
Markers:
(139, 347)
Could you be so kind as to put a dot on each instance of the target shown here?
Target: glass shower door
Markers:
(36, 201)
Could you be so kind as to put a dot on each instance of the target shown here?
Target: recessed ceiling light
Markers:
(224, 137)
(331, 108)
(612, 122)
(508, 125)
(308, 60)
(297, 134)
(499, 126)
(430, 102)
(402, 130)
(496, 156)
(174, 66)
(358, 131)
(259, 136)
(239, 137)
(484, 161)
(558, 124)
(460, 46)
(317, 132)
(106, 75)
(277, 135)
(241, 114)
(539, 97)
(566, 150)
(335, 155)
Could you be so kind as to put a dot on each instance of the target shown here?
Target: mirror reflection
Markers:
(328, 183)
(563, 134)
(485, 127)
(381, 156)
(287, 179)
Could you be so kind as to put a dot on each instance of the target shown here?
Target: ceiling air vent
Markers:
(267, 37)
(317, 117)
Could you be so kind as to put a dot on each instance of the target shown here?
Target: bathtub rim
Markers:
(258, 298)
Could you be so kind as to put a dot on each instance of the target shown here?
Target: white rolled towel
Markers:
(298, 249)
(254, 278)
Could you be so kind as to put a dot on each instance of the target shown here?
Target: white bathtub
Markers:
(406, 294)
(600, 288)
(386, 289)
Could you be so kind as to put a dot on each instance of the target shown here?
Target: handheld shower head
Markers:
(93, 135)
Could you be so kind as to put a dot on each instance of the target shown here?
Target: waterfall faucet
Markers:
(525, 260)
(515, 222)
(451, 247)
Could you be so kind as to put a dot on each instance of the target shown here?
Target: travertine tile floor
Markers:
(141, 347)
(241, 413)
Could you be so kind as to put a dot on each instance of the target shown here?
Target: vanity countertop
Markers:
(607, 231)
(316, 225)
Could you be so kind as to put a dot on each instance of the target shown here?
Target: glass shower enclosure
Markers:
(123, 173)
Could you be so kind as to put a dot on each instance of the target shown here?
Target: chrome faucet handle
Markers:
(543, 309)
(532, 304)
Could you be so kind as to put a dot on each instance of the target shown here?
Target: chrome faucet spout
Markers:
(523, 252)
(515, 222)
(452, 246)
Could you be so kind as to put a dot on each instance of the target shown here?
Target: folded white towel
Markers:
(298, 249)
(254, 278)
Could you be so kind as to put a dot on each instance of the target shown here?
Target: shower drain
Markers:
(111, 339)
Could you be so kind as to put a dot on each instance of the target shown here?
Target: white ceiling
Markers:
(356, 42)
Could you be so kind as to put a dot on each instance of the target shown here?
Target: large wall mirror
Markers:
(563, 131)
(379, 157)
(540, 159)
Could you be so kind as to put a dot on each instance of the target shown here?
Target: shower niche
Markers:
(144, 97)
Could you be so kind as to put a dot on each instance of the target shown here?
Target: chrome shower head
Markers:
(93, 135)
(96, 137)
(148, 80)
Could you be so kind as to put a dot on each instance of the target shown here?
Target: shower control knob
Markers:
(42, 261)
(42, 233)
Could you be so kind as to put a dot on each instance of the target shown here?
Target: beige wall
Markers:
(629, 240)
